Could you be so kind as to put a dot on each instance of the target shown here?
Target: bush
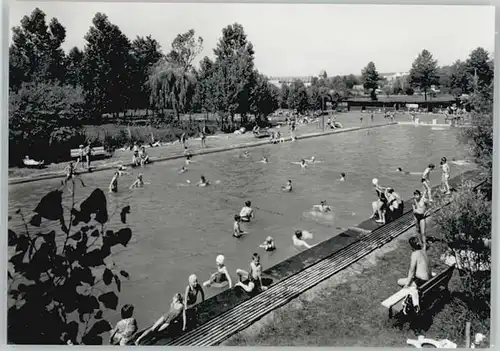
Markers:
(35, 112)
(61, 281)
(466, 226)
(409, 91)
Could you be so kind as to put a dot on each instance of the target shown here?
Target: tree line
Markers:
(54, 93)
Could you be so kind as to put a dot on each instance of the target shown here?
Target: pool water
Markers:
(179, 229)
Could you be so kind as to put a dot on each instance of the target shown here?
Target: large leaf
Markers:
(12, 238)
(36, 220)
(95, 204)
(118, 283)
(124, 235)
(83, 275)
(109, 300)
(99, 327)
(107, 276)
(50, 206)
(93, 258)
(124, 274)
(123, 214)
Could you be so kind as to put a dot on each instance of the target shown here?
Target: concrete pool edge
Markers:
(231, 298)
(61, 174)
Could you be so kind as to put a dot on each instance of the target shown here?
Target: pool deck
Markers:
(229, 312)
(112, 164)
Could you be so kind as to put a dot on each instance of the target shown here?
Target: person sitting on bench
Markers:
(420, 269)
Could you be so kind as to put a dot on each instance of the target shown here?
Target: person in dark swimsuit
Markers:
(113, 185)
(177, 310)
(191, 296)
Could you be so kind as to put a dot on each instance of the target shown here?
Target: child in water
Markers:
(139, 182)
(237, 232)
(342, 177)
(203, 182)
(287, 187)
(113, 185)
(246, 212)
(268, 245)
(183, 169)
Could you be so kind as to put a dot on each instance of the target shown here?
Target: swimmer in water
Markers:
(264, 160)
(121, 170)
(313, 160)
(237, 231)
(246, 154)
(246, 212)
(183, 170)
(299, 239)
(287, 187)
(139, 182)
(113, 185)
(269, 244)
(302, 163)
(322, 207)
(342, 177)
(188, 155)
(203, 182)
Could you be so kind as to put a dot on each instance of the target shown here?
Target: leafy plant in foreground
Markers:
(61, 282)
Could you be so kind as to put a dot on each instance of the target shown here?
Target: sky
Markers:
(295, 39)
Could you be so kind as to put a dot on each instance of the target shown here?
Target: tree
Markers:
(370, 78)
(171, 87)
(233, 72)
(478, 65)
(74, 64)
(423, 73)
(106, 68)
(37, 111)
(204, 88)
(460, 81)
(61, 281)
(283, 97)
(264, 98)
(146, 52)
(36, 54)
(298, 98)
(185, 48)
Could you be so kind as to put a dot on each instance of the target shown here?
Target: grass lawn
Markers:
(346, 310)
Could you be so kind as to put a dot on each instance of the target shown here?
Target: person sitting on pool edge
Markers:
(253, 279)
(287, 187)
(177, 310)
(246, 212)
(269, 244)
(299, 239)
(221, 278)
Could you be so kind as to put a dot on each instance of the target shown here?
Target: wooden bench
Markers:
(96, 151)
(429, 290)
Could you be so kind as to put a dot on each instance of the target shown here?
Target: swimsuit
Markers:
(192, 295)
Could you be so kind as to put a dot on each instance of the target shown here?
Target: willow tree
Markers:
(172, 86)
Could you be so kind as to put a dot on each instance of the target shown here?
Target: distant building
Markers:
(279, 81)
(393, 76)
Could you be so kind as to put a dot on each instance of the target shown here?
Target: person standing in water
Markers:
(203, 182)
(342, 177)
(203, 137)
(299, 239)
(139, 182)
(237, 231)
(246, 212)
(445, 176)
(269, 244)
(113, 185)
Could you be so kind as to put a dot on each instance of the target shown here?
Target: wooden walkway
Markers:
(223, 326)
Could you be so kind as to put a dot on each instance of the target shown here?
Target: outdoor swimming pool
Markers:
(179, 230)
